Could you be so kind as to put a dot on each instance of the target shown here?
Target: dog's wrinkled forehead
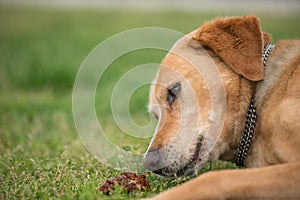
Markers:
(178, 59)
(174, 66)
(186, 47)
(177, 65)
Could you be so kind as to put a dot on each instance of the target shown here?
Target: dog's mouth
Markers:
(188, 168)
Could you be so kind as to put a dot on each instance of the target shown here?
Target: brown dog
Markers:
(201, 96)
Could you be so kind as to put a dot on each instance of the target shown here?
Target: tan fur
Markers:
(235, 45)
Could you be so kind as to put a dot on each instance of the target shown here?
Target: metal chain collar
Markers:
(247, 135)
(267, 51)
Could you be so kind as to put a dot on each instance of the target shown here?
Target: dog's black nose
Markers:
(151, 160)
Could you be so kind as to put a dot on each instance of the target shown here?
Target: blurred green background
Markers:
(41, 50)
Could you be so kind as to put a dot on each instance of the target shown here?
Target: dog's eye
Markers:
(173, 93)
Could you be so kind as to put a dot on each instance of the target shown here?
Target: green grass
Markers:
(40, 53)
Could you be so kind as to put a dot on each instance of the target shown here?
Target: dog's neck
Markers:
(247, 134)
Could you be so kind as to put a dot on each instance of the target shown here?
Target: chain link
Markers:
(247, 135)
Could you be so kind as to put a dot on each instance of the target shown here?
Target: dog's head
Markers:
(187, 92)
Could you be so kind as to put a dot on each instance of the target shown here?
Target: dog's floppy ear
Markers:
(238, 41)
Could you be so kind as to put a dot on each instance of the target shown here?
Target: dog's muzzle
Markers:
(155, 161)
(151, 160)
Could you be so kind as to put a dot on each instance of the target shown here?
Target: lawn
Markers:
(40, 53)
